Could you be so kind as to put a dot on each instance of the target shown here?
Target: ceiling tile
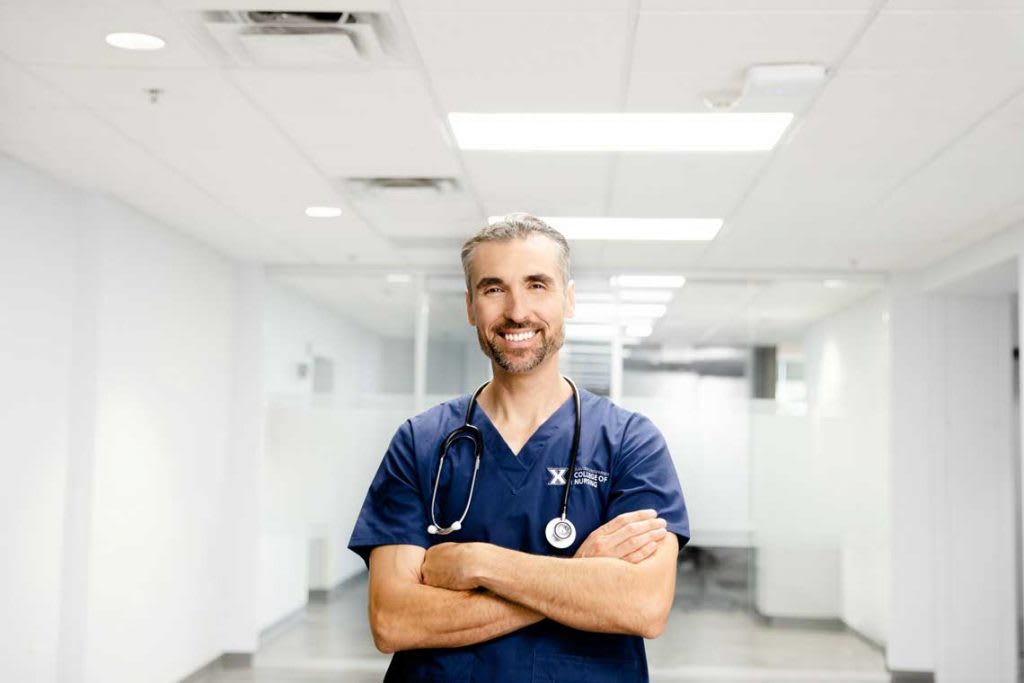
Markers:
(726, 44)
(867, 133)
(73, 143)
(967, 188)
(508, 6)
(942, 40)
(682, 185)
(524, 61)
(73, 35)
(754, 6)
(540, 183)
(356, 124)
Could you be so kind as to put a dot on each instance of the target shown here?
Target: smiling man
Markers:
(468, 580)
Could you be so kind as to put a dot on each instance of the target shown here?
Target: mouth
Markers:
(519, 336)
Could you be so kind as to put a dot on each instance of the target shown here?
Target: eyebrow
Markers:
(486, 282)
(542, 278)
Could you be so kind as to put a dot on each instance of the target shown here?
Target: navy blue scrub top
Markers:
(623, 465)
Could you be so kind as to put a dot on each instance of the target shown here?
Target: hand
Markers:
(632, 536)
(449, 565)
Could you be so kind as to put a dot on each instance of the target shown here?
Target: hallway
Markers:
(330, 642)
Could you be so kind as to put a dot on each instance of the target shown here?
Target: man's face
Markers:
(518, 302)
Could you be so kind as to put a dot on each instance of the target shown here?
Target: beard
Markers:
(522, 360)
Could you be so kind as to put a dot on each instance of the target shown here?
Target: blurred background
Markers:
(229, 270)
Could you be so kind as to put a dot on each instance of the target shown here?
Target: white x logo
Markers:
(557, 476)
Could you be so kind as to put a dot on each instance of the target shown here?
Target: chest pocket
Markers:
(551, 668)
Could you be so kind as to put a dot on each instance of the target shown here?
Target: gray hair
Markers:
(516, 226)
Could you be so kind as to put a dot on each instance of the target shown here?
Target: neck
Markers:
(525, 397)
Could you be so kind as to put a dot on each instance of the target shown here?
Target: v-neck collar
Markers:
(515, 467)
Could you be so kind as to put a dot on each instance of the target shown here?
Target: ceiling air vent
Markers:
(277, 39)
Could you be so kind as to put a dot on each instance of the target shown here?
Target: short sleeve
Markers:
(393, 512)
(644, 476)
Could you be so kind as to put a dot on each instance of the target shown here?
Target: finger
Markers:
(627, 518)
(635, 529)
(639, 541)
(642, 554)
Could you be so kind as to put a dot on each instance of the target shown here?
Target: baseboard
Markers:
(819, 623)
(912, 677)
(325, 595)
(227, 660)
(816, 623)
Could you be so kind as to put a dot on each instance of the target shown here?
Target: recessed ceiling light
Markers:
(834, 284)
(651, 281)
(704, 132)
(399, 278)
(135, 41)
(633, 229)
(323, 211)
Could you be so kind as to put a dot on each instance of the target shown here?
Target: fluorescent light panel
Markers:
(715, 132)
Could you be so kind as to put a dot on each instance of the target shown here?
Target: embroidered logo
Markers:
(585, 476)
(589, 477)
(557, 476)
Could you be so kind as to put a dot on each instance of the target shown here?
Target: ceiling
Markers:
(912, 149)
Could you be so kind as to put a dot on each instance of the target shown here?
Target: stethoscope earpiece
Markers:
(560, 532)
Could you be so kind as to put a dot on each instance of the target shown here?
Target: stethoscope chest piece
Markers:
(560, 532)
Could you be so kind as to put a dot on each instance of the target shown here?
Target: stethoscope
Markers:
(560, 532)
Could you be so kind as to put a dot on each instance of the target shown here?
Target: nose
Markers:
(515, 306)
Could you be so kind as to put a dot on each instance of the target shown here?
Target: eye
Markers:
(537, 285)
(491, 290)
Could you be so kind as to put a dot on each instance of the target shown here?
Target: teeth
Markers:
(522, 336)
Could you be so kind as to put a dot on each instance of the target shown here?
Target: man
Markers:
(494, 601)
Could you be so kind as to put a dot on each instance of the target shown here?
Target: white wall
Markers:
(847, 362)
(163, 385)
(954, 608)
(139, 369)
(37, 283)
(115, 353)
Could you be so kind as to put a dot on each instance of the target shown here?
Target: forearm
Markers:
(414, 616)
(592, 594)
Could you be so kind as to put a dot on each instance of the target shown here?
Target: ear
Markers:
(570, 299)
(469, 309)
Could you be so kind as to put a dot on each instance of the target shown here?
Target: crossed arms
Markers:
(621, 580)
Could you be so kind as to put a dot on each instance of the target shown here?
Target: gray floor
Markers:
(712, 637)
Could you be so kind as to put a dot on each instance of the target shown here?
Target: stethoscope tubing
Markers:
(469, 431)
